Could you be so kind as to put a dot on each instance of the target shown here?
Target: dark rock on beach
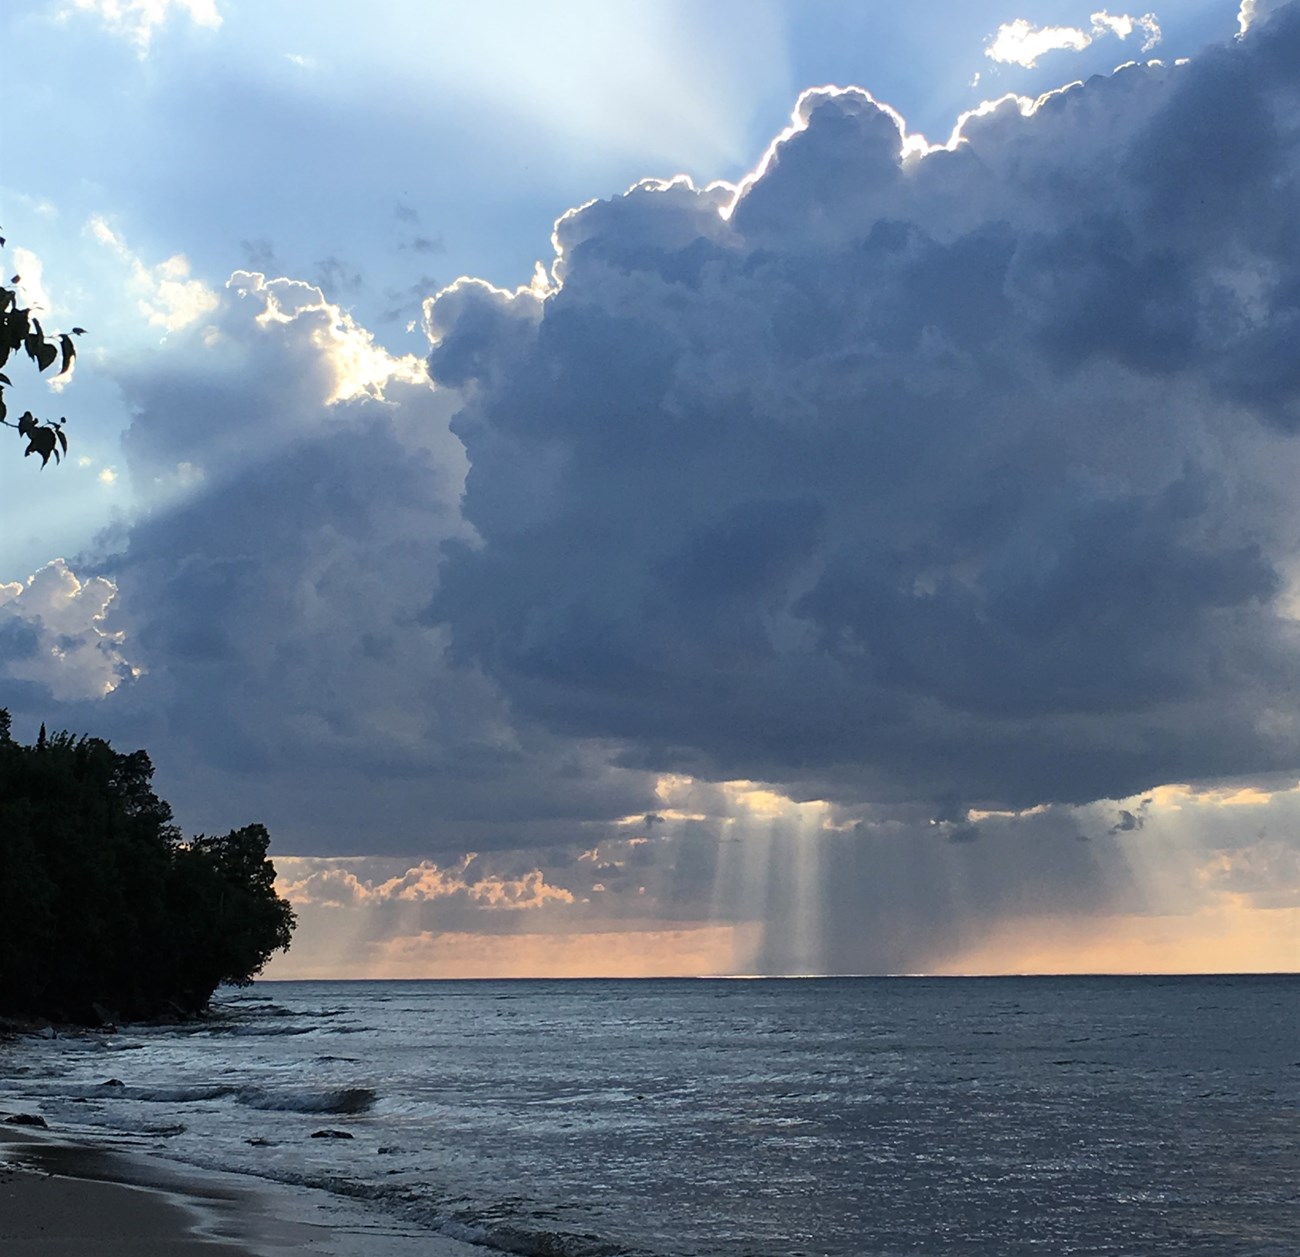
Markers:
(331, 1134)
(26, 1119)
(107, 1019)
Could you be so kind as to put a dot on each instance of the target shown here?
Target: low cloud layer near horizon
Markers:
(947, 494)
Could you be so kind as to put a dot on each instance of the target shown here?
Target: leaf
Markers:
(78, 331)
(26, 423)
(69, 352)
(63, 440)
(15, 279)
(41, 442)
(4, 379)
(16, 322)
(46, 354)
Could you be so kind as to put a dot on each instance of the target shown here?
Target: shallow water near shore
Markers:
(731, 1118)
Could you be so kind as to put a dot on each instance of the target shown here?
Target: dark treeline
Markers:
(106, 912)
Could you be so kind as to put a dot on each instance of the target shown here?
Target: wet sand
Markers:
(61, 1198)
(46, 1215)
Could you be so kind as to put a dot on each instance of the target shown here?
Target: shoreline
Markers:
(67, 1196)
(61, 1197)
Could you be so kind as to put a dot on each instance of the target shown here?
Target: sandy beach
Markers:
(46, 1214)
(59, 1197)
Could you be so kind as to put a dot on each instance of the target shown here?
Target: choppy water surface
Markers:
(844, 1117)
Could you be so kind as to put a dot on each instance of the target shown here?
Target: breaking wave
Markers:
(345, 1100)
(339, 1101)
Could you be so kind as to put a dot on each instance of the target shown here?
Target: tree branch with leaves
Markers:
(21, 332)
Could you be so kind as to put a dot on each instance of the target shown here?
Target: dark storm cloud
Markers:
(301, 482)
(963, 477)
(953, 481)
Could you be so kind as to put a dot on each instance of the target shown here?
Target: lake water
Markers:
(733, 1118)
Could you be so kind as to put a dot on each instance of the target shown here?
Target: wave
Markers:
(485, 1230)
(112, 1089)
(343, 1101)
(526, 1243)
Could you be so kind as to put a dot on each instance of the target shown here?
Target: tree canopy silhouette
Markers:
(102, 901)
(21, 332)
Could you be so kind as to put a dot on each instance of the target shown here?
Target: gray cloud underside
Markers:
(966, 476)
(276, 595)
(966, 480)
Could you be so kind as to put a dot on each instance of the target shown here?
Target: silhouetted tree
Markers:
(227, 920)
(102, 902)
(21, 332)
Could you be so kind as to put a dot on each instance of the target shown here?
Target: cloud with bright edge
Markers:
(166, 294)
(31, 282)
(948, 492)
(137, 20)
(52, 632)
(1253, 12)
(954, 473)
(1020, 42)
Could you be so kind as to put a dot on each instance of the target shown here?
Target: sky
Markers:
(679, 489)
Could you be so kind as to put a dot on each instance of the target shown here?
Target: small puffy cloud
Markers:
(1022, 43)
(53, 634)
(423, 883)
(1124, 25)
(136, 20)
(167, 296)
(359, 367)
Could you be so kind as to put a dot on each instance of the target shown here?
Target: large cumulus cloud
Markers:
(966, 475)
(264, 631)
(742, 584)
